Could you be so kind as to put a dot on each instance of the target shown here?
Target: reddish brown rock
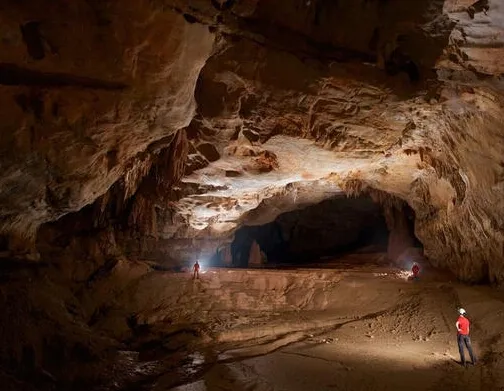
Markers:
(140, 135)
(85, 88)
(293, 108)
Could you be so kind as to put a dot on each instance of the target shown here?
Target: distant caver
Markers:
(196, 268)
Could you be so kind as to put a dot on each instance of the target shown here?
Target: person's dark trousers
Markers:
(465, 340)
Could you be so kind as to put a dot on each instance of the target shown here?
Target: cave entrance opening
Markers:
(336, 231)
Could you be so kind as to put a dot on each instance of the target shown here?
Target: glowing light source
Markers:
(408, 264)
(203, 266)
(405, 274)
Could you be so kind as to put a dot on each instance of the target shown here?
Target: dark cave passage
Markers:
(325, 231)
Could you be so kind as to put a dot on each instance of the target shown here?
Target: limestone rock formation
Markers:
(86, 88)
(295, 104)
(139, 135)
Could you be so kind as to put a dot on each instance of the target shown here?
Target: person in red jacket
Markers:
(463, 337)
(196, 268)
(415, 270)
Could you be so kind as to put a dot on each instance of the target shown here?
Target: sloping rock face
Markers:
(86, 87)
(297, 101)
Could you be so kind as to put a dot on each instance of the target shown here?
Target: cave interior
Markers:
(324, 232)
(307, 152)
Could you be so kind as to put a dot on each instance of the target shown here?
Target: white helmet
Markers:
(462, 311)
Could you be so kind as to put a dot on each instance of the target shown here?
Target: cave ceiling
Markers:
(248, 109)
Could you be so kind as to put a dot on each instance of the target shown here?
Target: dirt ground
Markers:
(360, 328)
(355, 324)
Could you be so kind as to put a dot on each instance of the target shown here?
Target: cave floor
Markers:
(358, 328)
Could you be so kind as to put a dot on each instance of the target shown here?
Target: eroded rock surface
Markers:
(153, 130)
(86, 87)
(403, 97)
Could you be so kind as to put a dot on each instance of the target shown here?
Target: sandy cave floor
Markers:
(355, 328)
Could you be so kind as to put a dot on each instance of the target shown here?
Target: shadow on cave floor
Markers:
(347, 331)
(313, 290)
(362, 327)
(320, 276)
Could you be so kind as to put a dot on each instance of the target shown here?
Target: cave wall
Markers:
(458, 209)
(203, 117)
(155, 129)
(85, 88)
(467, 235)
